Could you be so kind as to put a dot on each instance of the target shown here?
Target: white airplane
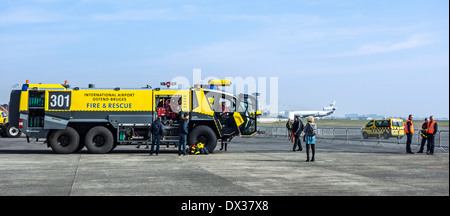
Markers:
(329, 110)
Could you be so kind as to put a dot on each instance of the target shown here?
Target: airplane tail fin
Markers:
(332, 104)
(331, 107)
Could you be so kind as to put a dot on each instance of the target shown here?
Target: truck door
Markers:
(224, 106)
(247, 107)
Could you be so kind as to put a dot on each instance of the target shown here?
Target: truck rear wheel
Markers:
(12, 131)
(64, 141)
(205, 135)
(99, 140)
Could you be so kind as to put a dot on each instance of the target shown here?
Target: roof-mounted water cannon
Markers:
(223, 82)
(216, 82)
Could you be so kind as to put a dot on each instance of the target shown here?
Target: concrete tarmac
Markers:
(251, 167)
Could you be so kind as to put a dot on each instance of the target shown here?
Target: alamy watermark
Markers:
(266, 87)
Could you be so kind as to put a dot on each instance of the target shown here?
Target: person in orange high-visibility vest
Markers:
(431, 132)
(409, 130)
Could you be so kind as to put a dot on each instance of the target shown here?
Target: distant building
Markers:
(352, 115)
(356, 116)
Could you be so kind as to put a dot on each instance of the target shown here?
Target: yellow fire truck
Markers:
(100, 119)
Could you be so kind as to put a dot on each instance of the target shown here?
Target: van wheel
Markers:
(205, 135)
(99, 140)
(386, 135)
(365, 135)
(64, 141)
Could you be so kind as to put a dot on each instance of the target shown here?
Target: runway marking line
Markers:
(435, 167)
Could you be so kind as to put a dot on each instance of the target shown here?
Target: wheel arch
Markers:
(210, 124)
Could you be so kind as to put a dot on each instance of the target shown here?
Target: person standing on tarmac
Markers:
(289, 129)
(297, 129)
(409, 131)
(431, 132)
(183, 131)
(157, 130)
(423, 134)
(310, 137)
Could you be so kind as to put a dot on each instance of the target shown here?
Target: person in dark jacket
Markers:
(297, 129)
(423, 133)
(183, 131)
(157, 130)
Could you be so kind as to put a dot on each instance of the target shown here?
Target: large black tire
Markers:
(64, 141)
(12, 131)
(205, 135)
(99, 140)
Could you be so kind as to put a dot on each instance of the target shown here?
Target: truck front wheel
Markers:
(99, 140)
(205, 135)
(64, 141)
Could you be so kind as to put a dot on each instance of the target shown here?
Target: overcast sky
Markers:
(384, 57)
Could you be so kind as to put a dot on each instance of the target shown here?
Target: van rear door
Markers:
(397, 127)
